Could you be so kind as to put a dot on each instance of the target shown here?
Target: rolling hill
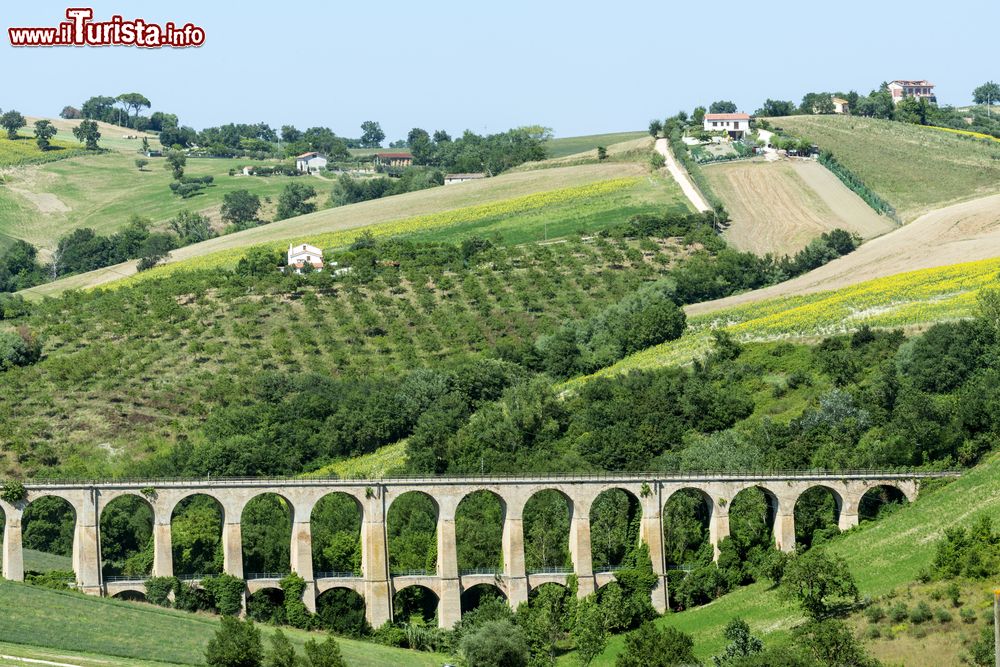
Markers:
(916, 169)
(644, 192)
(563, 146)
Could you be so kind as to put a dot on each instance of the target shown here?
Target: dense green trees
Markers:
(294, 200)
(235, 644)
(240, 208)
(650, 646)
(471, 152)
(722, 106)
(371, 134)
(88, 132)
(988, 94)
(19, 348)
(44, 131)
(12, 121)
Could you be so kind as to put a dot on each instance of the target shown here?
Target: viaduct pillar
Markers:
(86, 549)
(375, 559)
(513, 554)
(579, 546)
(450, 602)
(300, 556)
(651, 533)
(13, 558)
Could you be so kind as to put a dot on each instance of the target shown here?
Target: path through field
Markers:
(683, 180)
(963, 232)
(779, 206)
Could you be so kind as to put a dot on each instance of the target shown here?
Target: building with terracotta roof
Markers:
(302, 254)
(901, 88)
(736, 124)
(393, 159)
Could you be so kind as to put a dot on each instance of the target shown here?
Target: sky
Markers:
(579, 68)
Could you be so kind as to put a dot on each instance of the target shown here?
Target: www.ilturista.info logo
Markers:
(81, 30)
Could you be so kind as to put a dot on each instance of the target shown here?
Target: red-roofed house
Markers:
(393, 159)
(736, 124)
(907, 88)
(300, 255)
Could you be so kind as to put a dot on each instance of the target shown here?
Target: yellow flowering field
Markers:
(905, 299)
(967, 133)
(505, 208)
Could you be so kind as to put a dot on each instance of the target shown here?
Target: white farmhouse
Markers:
(300, 255)
(450, 179)
(310, 163)
(736, 124)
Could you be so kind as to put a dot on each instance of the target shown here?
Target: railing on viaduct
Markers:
(374, 497)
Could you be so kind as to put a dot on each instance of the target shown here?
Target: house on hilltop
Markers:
(310, 163)
(450, 179)
(393, 159)
(736, 124)
(921, 89)
(300, 255)
(840, 105)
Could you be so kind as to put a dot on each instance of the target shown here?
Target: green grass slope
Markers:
(883, 555)
(915, 168)
(563, 146)
(37, 617)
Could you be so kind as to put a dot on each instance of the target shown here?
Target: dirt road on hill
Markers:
(681, 176)
(958, 233)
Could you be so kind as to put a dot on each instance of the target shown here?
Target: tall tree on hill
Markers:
(44, 131)
(88, 133)
(12, 121)
(774, 108)
(698, 115)
(294, 200)
(134, 101)
(655, 127)
(371, 134)
(70, 113)
(987, 94)
(240, 208)
(420, 145)
(722, 106)
(99, 107)
(175, 161)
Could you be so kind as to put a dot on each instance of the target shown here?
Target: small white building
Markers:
(310, 163)
(248, 171)
(450, 179)
(840, 105)
(736, 124)
(302, 254)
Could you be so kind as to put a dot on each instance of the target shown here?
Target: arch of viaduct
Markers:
(376, 584)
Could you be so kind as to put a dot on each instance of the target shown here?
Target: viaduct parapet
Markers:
(377, 584)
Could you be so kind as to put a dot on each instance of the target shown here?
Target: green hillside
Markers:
(24, 150)
(884, 555)
(107, 627)
(915, 168)
(563, 146)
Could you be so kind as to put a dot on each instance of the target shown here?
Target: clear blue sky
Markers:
(580, 67)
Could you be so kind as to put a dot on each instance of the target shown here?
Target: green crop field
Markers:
(41, 204)
(526, 206)
(916, 169)
(35, 618)
(25, 150)
(563, 146)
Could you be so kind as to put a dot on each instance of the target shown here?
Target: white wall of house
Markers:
(727, 125)
(311, 165)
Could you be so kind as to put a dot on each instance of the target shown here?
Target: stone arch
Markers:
(547, 531)
(267, 605)
(615, 516)
(48, 534)
(687, 518)
(536, 590)
(753, 513)
(266, 527)
(131, 595)
(342, 611)
(473, 596)
(878, 498)
(411, 523)
(479, 521)
(126, 536)
(414, 601)
(335, 524)
(196, 525)
(817, 513)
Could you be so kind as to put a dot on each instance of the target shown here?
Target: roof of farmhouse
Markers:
(727, 116)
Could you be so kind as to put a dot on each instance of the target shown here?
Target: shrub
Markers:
(55, 579)
(921, 613)
(19, 348)
(942, 615)
(874, 613)
(13, 492)
(227, 592)
(968, 615)
(235, 644)
(158, 590)
(295, 609)
(496, 644)
(898, 612)
(954, 594)
(873, 632)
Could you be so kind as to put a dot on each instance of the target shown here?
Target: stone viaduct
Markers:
(374, 498)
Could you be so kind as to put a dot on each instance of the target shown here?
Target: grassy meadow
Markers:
(43, 203)
(33, 618)
(563, 146)
(916, 169)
